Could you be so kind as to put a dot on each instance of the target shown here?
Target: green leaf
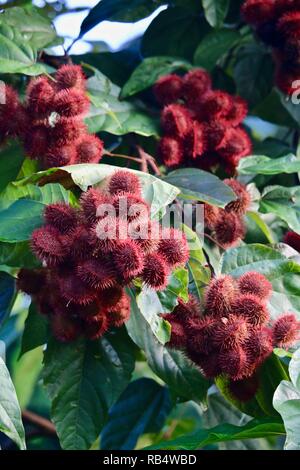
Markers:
(222, 433)
(83, 380)
(149, 71)
(26, 372)
(47, 194)
(253, 73)
(215, 11)
(180, 374)
(10, 413)
(174, 32)
(177, 287)
(286, 401)
(214, 46)
(142, 407)
(150, 307)
(272, 109)
(283, 202)
(35, 330)
(11, 160)
(20, 219)
(261, 225)
(17, 56)
(282, 272)
(109, 114)
(17, 255)
(202, 186)
(7, 295)
(260, 164)
(34, 28)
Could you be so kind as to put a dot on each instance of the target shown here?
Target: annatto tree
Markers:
(119, 330)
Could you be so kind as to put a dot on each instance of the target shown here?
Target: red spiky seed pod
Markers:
(286, 331)
(237, 112)
(67, 130)
(128, 259)
(258, 347)
(111, 297)
(124, 182)
(70, 76)
(196, 84)
(13, 120)
(36, 141)
(155, 272)
(187, 311)
(256, 284)
(230, 333)
(201, 333)
(78, 242)
(62, 156)
(31, 281)
(215, 133)
(208, 363)
(70, 102)
(211, 216)
(47, 245)
(146, 235)
(93, 204)
(286, 79)
(129, 207)
(89, 149)
(178, 339)
(216, 104)
(170, 151)
(242, 203)
(235, 145)
(233, 362)
(292, 239)
(258, 11)
(176, 120)
(252, 308)
(39, 97)
(61, 216)
(168, 89)
(229, 229)
(119, 313)
(195, 142)
(97, 273)
(291, 51)
(289, 24)
(95, 328)
(108, 232)
(244, 390)
(173, 247)
(64, 329)
(72, 289)
(220, 296)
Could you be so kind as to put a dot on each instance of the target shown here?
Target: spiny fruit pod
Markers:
(89, 256)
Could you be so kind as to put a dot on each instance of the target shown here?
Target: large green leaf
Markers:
(7, 295)
(34, 28)
(174, 32)
(202, 186)
(17, 255)
(215, 11)
(262, 165)
(273, 109)
(142, 407)
(83, 380)
(253, 73)
(117, 117)
(183, 378)
(283, 202)
(222, 433)
(25, 375)
(17, 56)
(286, 401)
(35, 330)
(47, 194)
(11, 159)
(146, 74)
(282, 272)
(10, 413)
(214, 46)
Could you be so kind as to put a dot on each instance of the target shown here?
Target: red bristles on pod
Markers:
(256, 284)
(168, 89)
(286, 331)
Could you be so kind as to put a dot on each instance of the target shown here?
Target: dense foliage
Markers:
(179, 336)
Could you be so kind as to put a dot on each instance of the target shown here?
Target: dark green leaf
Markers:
(152, 68)
(20, 219)
(174, 32)
(35, 330)
(272, 109)
(177, 287)
(150, 307)
(11, 159)
(214, 46)
(215, 11)
(260, 164)
(83, 380)
(7, 295)
(202, 186)
(142, 407)
(17, 255)
(222, 433)
(10, 413)
(283, 202)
